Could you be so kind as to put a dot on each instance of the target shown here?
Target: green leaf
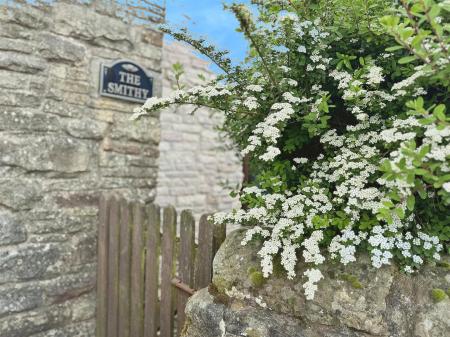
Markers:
(394, 48)
(400, 212)
(407, 59)
(410, 202)
(438, 112)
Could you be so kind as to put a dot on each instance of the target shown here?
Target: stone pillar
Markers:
(61, 146)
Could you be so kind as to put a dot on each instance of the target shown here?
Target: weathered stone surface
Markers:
(33, 322)
(19, 194)
(86, 128)
(46, 153)
(12, 231)
(21, 63)
(29, 261)
(144, 131)
(97, 29)
(79, 329)
(16, 98)
(16, 45)
(27, 119)
(19, 298)
(28, 16)
(385, 303)
(208, 318)
(65, 109)
(59, 49)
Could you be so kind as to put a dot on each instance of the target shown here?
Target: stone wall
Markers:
(61, 145)
(195, 162)
(356, 300)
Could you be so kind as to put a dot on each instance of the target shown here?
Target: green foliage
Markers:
(341, 107)
(438, 295)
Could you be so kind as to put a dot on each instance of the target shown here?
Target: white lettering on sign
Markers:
(123, 89)
(129, 78)
(125, 80)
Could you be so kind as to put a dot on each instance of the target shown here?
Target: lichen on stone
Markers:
(252, 333)
(438, 295)
(353, 280)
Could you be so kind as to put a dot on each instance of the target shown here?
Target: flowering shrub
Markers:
(341, 108)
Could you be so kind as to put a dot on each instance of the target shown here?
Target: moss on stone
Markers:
(251, 270)
(353, 280)
(257, 279)
(438, 295)
(291, 301)
(443, 264)
(221, 284)
(219, 298)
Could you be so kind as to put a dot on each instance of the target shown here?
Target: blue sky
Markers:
(207, 18)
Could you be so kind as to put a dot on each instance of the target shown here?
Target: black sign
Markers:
(125, 80)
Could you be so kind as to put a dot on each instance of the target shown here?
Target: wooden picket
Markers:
(146, 273)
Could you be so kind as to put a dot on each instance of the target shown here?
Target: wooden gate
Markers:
(146, 272)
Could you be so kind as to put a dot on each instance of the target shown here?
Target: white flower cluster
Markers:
(341, 191)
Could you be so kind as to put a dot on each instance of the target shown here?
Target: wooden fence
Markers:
(146, 272)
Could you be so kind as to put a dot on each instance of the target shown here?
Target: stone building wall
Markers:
(61, 145)
(195, 162)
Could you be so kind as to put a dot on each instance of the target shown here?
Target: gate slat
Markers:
(185, 263)
(137, 273)
(167, 272)
(203, 263)
(152, 271)
(113, 266)
(124, 270)
(102, 264)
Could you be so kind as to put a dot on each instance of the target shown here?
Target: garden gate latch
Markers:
(182, 286)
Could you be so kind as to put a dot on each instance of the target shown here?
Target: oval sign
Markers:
(125, 80)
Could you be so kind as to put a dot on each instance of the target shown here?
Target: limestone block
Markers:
(16, 298)
(153, 37)
(10, 81)
(26, 262)
(16, 45)
(14, 31)
(11, 229)
(57, 107)
(67, 286)
(143, 131)
(64, 223)
(87, 25)
(19, 193)
(19, 98)
(21, 63)
(27, 16)
(60, 49)
(36, 321)
(46, 153)
(86, 128)
(27, 119)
